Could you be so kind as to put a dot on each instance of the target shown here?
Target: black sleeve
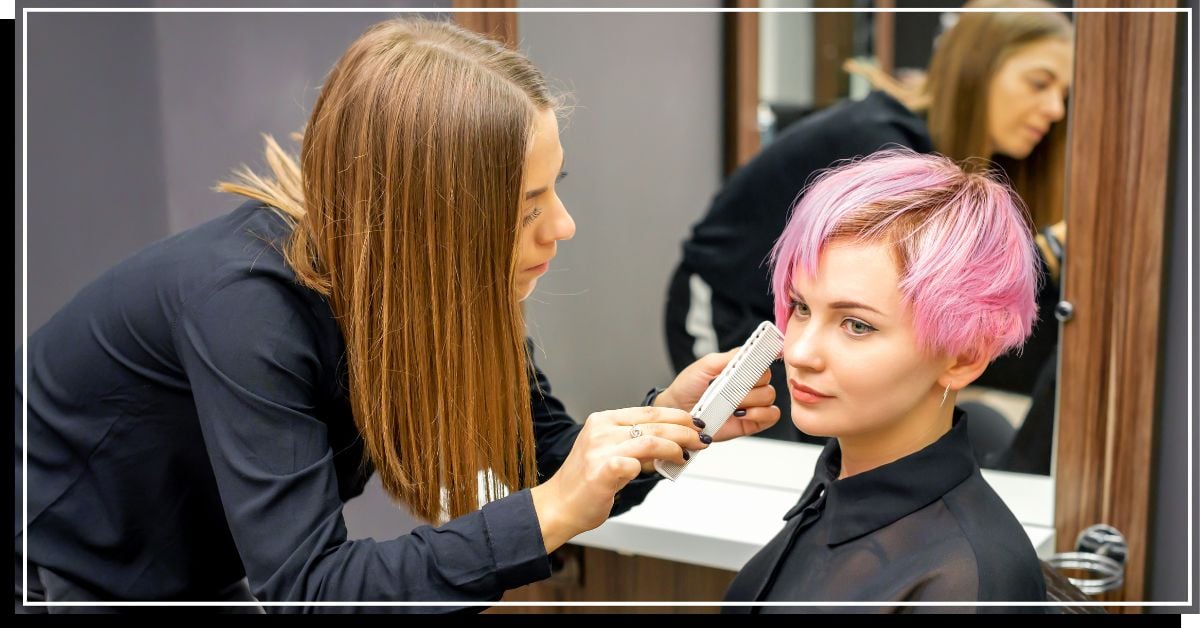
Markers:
(248, 350)
(555, 432)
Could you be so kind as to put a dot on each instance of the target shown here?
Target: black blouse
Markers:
(189, 426)
(923, 528)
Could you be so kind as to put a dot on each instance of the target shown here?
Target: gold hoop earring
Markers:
(944, 395)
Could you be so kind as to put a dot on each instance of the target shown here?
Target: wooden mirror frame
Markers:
(500, 26)
(1116, 221)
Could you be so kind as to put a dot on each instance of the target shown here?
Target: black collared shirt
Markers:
(923, 528)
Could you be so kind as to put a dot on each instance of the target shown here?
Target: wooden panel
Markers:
(833, 41)
(1116, 186)
(499, 26)
(590, 574)
(741, 84)
(885, 36)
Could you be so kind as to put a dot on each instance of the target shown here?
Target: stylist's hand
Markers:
(756, 413)
(605, 457)
(1059, 229)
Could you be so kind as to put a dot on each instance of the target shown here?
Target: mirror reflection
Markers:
(990, 90)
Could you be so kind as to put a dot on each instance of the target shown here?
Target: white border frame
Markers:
(25, 289)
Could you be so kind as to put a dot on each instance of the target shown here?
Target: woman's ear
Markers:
(963, 370)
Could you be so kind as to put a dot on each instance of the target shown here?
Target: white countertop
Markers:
(731, 500)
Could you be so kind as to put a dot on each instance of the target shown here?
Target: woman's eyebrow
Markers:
(532, 194)
(837, 305)
(1046, 69)
(853, 305)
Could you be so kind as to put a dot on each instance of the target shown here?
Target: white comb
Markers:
(728, 390)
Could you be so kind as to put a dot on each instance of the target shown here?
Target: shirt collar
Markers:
(868, 501)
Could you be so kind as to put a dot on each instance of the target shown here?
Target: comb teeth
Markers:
(731, 386)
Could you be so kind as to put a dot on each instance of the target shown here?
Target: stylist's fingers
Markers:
(714, 363)
(711, 364)
(643, 414)
(759, 397)
(753, 421)
(650, 448)
(619, 471)
(688, 437)
(759, 419)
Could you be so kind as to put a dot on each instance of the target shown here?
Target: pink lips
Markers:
(804, 394)
(540, 268)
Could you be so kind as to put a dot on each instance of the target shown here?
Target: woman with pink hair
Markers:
(897, 280)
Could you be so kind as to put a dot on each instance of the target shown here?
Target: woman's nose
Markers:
(1056, 107)
(801, 347)
(562, 226)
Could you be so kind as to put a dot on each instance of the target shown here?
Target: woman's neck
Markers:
(923, 426)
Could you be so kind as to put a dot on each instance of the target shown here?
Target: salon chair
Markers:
(1099, 553)
(1060, 589)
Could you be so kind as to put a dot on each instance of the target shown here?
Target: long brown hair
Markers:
(954, 94)
(405, 206)
(960, 71)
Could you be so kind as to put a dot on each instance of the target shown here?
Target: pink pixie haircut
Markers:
(962, 242)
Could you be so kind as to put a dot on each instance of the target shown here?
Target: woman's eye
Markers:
(531, 216)
(857, 327)
(799, 308)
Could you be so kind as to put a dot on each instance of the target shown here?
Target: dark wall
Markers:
(95, 170)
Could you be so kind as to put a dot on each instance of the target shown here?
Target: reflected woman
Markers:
(995, 89)
(897, 280)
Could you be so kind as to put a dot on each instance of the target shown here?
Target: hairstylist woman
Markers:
(199, 415)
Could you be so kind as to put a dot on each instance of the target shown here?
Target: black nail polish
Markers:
(739, 412)
(686, 455)
(698, 423)
(706, 439)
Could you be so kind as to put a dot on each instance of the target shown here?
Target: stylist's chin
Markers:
(527, 278)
